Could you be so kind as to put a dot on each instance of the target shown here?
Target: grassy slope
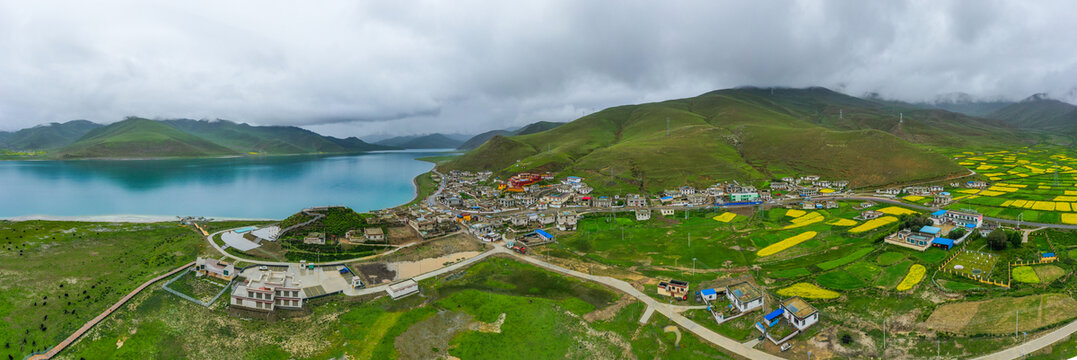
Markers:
(245, 138)
(49, 136)
(137, 137)
(743, 134)
(1039, 113)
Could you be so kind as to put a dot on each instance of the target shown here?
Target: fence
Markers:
(191, 299)
(946, 269)
(1036, 262)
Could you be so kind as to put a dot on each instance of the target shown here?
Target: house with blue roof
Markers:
(965, 219)
(793, 316)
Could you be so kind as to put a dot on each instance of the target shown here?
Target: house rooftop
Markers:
(744, 291)
(933, 230)
(798, 307)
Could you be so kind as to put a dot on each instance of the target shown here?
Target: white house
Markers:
(269, 291)
(215, 268)
(402, 289)
(799, 313)
(566, 220)
(643, 214)
(744, 296)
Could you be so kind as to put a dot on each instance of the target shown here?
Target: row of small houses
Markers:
(791, 317)
(573, 191)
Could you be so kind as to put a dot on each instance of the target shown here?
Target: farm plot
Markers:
(972, 263)
(1036, 183)
(998, 316)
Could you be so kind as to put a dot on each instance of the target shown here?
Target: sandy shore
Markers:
(114, 218)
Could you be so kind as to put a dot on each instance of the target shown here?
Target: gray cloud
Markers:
(402, 67)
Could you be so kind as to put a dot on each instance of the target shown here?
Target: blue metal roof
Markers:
(708, 292)
(1048, 255)
(667, 198)
(970, 225)
(774, 314)
(943, 241)
(930, 230)
(947, 193)
(543, 233)
(939, 213)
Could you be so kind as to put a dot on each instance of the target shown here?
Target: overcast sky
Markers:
(400, 67)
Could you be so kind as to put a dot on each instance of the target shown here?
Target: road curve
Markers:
(671, 312)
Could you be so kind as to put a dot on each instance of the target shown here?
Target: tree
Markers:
(956, 233)
(997, 239)
(1015, 239)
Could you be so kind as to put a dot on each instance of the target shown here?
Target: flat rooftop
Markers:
(744, 291)
(798, 307)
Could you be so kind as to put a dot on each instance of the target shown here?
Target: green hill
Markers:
(431, 141)
(531, 128)
(537, 127)
(141, 138)
(46, 137)
(274, 140)
(1040, 112)
(746, 134)
(478, 140)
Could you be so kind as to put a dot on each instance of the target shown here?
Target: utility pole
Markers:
(689, 240)
(1017, 320)
(667, 126)
(693, 268)
(884, 336)
(841, 114)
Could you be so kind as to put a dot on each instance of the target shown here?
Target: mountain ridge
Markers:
(746, 134)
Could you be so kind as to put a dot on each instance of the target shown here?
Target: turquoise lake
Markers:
(255, 187)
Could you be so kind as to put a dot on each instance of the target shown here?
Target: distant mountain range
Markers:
(50, 136)
(532, 128)
(1041, 113)
(430, 141)
(754, 134)
(143, 138)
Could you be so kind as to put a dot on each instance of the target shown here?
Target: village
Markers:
(527, 211)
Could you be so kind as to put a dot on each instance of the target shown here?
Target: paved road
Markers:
(1033, 345)
(671, 312)
(90, 324)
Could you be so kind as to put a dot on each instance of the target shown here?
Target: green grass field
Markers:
(58, 275)
(491, 311)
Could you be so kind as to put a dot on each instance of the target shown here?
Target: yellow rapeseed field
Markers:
(873, 223)
(785, 244)
(808, 291)
(894, 210)
(916, 273)
(1069, 218)
(805, 220)
(842, 222)
(794, 213)
(725, 217)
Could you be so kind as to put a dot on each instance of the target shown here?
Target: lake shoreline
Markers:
(117, 218)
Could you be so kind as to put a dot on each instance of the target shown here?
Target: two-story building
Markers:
(268, 291)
